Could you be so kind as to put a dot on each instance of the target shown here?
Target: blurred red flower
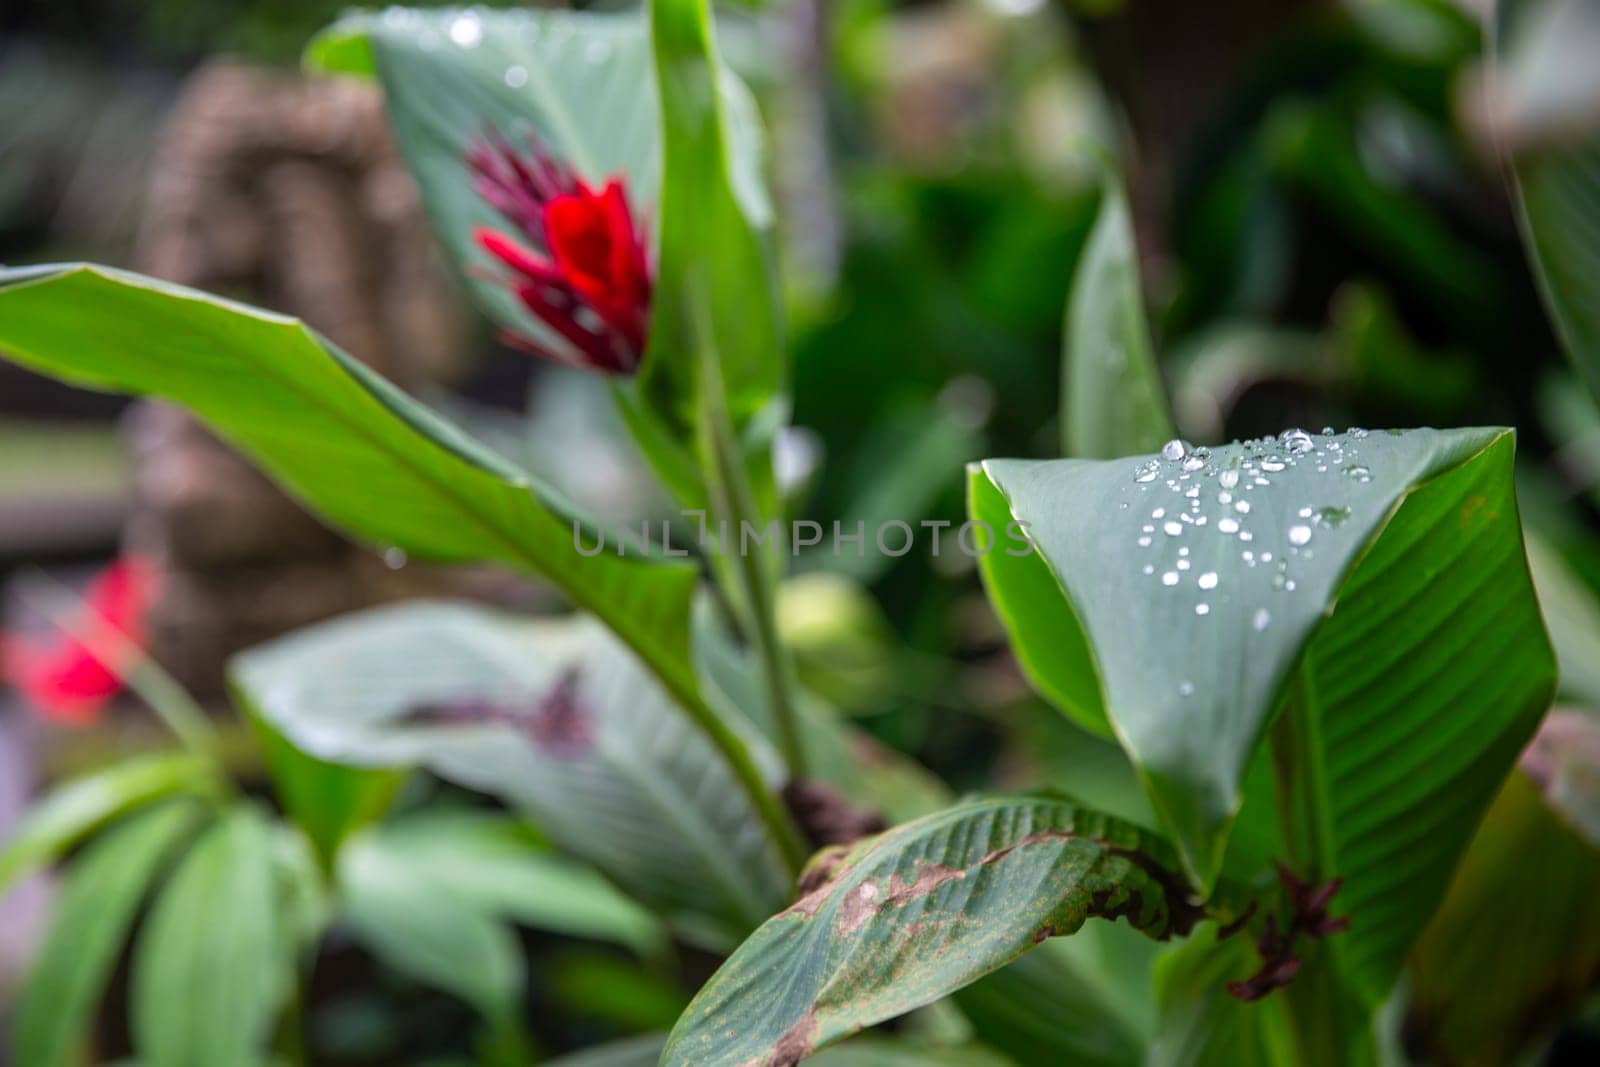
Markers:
(63, 678)
(584, 270)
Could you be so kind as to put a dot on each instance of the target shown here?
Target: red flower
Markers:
(64, 678)
(587, 273)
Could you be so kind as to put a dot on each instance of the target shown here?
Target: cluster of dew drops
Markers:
(1191, 474)
(465, 31)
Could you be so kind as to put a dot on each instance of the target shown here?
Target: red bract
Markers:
(63, 678)
(587, 272)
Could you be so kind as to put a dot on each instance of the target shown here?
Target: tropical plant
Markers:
(1304, 665)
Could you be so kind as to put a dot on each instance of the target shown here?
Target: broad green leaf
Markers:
(1428, 678)
(327, 801)
(1064, 1004)
(98, 901)
(410, 916)
(1516, 942)
(1174, 598)
(1045, 632)
(1198, 1023)
(580, 82)
(80, 806)
(1112, 402)
(614, 772)
(212, 965)
(920, 911)
(715, 326)
(343, 440)
(489, 863)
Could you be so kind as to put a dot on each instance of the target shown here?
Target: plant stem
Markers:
(755, 601)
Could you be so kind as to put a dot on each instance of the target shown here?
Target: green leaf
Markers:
(1061, 1004)
(343, 440)
(580, 82)
(80, 806)
(620, 777)
(1112, 403)
(1516, 943)
(920, 911)
(212, 965)
(97, 905)
(1198, 1023)
(412, 919)
(489, 863)
(715, 331)
(1412, 736)
(327, 801)
(1045, 632)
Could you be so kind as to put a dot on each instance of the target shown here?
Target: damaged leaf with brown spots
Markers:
(920, 911)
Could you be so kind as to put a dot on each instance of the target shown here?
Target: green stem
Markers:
(760, 618)
(755, 600)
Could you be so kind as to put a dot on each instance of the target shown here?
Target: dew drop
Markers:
(1148, 568)
(1242, 507)
(1171, 529)
(516, 77)
(1202, 609)
(1208, 580)
(1228, 478)
(1272, 465)
(1174, 450)
(1299, 535)
(1261, 620)
(1186, 689)
(1169, 578)
(1296, 442)
(1228, 526)
(1358, 473)
(1144, 542)
(1146, 472)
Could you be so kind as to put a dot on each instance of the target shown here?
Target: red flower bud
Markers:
(581, 266)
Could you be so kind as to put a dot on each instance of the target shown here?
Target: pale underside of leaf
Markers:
(622, 778)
